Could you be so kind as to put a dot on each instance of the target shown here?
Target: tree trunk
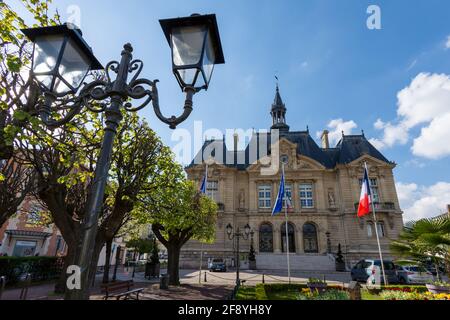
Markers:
(173, 263)
(60, 286)
(94, 261)
(107, 261)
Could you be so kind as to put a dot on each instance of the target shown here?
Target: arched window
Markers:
(369, 229)
(310, 238)
(291, 237)
(265, 238)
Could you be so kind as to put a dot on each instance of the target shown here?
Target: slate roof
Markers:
(348, 149)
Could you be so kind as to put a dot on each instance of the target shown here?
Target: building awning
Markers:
(27, 233)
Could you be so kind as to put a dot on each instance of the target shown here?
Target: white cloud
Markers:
(424, 104)
(447, 44)
(433, 140)
(423, 201)
(337, 126)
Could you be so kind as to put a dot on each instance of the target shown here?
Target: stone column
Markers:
(299, 236)
(276, 240)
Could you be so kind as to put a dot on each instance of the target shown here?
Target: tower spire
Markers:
(278, 111)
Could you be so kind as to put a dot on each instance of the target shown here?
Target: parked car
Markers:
(217, 264)
(364, 268)
(414, 274)
(432, 269)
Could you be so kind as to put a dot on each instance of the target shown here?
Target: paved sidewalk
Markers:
(217, 286)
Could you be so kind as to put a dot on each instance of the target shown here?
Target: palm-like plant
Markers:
(425, 239)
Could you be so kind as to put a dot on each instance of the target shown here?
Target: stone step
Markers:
(297, 262)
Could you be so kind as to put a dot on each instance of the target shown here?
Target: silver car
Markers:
(414, 274)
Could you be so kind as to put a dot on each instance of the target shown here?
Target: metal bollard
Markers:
(24, 291)
(205, 277)
(263, 278)
(2, 285)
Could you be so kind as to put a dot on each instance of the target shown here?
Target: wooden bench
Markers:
(119, 289)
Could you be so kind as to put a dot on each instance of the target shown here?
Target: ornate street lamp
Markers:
(61, 58)
(196, 48)
(61, 61)
(237, 235)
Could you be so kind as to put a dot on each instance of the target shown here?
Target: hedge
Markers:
(41, 268)
(260, 292)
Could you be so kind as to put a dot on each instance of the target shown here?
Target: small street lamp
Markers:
(62, 59)
(238, 234)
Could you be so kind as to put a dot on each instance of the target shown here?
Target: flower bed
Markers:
(413, 295)
(330, 294)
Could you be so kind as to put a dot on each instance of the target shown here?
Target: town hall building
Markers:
(323, 184)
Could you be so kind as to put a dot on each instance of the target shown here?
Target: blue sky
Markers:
(330, 66)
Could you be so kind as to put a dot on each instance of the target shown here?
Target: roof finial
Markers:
(343, 133)
(307, 128)
(362, 132)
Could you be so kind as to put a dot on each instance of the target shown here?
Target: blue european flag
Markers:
(203, 186)
(279, 202)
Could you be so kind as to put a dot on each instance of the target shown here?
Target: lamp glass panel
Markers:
(60, 87)
(74, 65)
(45, 57)
(209, 57)
(188, 75)
(187, 45)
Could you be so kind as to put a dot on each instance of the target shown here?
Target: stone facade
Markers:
(324, 196)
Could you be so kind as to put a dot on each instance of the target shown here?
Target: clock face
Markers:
(284, 159)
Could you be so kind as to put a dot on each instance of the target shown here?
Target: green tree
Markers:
(177, 215)
(65, 162)
(17, 101)
(425, 239)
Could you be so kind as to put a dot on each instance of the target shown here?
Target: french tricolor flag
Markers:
(365, 198)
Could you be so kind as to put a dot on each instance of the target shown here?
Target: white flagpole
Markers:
(206, 179)
(376, 226)
(201, 252)
(286, 225)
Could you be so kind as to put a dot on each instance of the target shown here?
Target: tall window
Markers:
(264, 195)
(306, 195)
(310, 238)
(212, 190)
(288, 190)
(374, 189)
(380, 228)
(369, 229)
(265, 238)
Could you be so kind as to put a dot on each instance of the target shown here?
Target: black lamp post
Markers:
(61, 61)
(238, 234)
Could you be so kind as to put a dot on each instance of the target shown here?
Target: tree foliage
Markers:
(177, 215)
(425, 239)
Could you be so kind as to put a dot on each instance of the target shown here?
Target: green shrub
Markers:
(246, 293)
(40, 268)
(332, 294)
(260, 292)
